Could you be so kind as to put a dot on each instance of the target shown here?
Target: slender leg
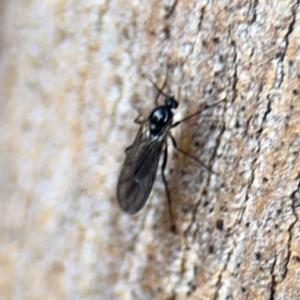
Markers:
(138, 120)
(188, 154)
(163, 166)
(196, 113)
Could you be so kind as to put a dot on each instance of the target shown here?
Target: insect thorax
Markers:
(159, 119)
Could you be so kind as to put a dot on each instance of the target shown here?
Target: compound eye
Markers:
(171, 102)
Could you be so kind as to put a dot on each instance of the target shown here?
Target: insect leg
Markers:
(188, 154)
(196, 113)
(163, 166)
(138, 120)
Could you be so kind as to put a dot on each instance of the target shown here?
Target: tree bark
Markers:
(75, 74)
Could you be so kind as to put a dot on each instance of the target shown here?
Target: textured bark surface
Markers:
(75, 74)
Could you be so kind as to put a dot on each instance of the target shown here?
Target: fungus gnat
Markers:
(142, 157)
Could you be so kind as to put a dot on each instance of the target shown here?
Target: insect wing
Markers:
(139, 170)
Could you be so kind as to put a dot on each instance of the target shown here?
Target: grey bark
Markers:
(74, 77)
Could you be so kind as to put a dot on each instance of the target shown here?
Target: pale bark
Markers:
(75, 74)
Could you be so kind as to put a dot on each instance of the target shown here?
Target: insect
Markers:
(140, 167)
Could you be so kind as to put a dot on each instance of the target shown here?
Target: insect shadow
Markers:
(140, 167)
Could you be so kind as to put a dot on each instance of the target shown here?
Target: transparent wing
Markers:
(138, 173)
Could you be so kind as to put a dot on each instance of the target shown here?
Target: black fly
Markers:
(142, 157)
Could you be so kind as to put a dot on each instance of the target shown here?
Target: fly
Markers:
(142, 157)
